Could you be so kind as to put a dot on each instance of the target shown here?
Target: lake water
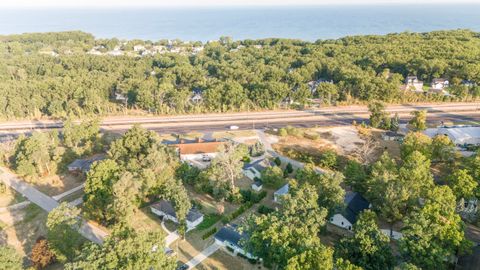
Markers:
(307, 23)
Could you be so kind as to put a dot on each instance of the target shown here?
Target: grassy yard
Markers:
(233, 134)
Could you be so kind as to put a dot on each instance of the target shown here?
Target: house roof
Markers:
(198, 147)
(230, 234)
(283, 190)
(257, 183)
(167, 208)
(458, 134)
(355, 204)
(258, 164)
(84, 164)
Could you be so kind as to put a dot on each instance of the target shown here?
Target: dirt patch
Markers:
(21, 228)
(10, 197)
(57, 184)
(221, 260)
(234, 134)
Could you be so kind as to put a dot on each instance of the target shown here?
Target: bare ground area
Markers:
(21, 228)
(221, 260)
(57, 184)
(10, 197)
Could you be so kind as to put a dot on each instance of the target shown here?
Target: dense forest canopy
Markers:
(55, 74)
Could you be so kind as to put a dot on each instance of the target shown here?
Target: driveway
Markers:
(47, 203)
(202, 255)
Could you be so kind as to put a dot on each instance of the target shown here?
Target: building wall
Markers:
(194, 224)
(197, 156)
(340, 221)
(165, 216)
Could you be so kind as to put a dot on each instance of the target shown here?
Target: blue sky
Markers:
(149, 3)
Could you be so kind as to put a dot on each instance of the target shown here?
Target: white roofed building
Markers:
(460, 135)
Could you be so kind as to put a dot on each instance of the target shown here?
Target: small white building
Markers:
(277, 196)
(460, 135)
(229, 236)
(165, 209)
(257, 186)
(413, 84)
(138, 48)
(439, 83)
(354, 205)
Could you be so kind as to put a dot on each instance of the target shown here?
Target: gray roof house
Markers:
(83, 165)
(165, 209)
(229, 236)
(280, 193)
(354, 205)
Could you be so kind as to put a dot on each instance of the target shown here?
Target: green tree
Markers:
(416, 141)
(318, 258)
(63, 224)
(330, 192)
(443, 149)
(368, 248)
(356, 176)
(126, 250)
(98, 198)
(36, 155)
(433, 233)
(10, 259)
(419, 120)
(226, 167)
(462, 184)
(272, 176)
(125, 198)
(81, 137)
(377, 113)
(281, 235)
(395, 123)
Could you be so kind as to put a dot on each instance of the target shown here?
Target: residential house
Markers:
(197, 96)
(83, 165)
(257, 185)
(439, 83)
(314, 84)
(165, 209)
(277, 196)
(254, 169)
(468, 83)
(199, 150)
(413, 84)
(231, 238)
(354, 205)
(460, 135)
(139, 48)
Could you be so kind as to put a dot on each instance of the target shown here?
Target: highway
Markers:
(331, 116)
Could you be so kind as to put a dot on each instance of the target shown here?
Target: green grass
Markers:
(208, 221)
(31, 212)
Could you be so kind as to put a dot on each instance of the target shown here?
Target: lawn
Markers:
(208, 221)
(234, 134)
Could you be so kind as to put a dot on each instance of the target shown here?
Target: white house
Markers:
(440, 83)
(254, 169)
(198, 150)
(257, 186)
(229, 236)
(354, 205)
(413, 84)
(277, 196)
(138, 48)
(165, 209)
(460, 135)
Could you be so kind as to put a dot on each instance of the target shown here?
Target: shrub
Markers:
(289, 168)
(42, 256)
(282, 132)
(209, 233)
(277, 161)
(263, 209)
(226, 219)
(3, 188)
(328, 159)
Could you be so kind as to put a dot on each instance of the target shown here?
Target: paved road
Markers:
(202, 255)
(47, 203)
(252, 120)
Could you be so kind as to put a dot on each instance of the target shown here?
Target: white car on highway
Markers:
(233, 127)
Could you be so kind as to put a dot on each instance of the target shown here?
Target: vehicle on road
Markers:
(233, 127)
